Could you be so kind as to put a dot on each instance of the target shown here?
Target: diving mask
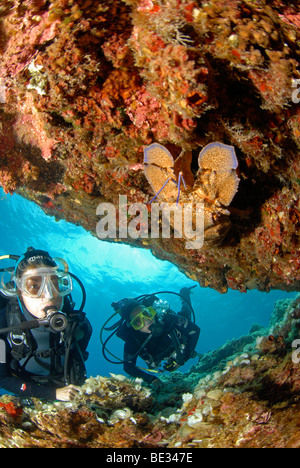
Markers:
(44, 282)
(146, 315)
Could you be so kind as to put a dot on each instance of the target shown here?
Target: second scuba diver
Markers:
(43, 338)
(155, 336)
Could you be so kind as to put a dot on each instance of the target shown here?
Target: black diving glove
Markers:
(186, 293)
(156, 328)
(174, 362)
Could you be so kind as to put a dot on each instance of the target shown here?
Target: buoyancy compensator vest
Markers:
(62, 346)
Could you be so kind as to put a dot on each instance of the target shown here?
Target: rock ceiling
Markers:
(86, 87)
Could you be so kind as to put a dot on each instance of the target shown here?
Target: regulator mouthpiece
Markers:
(56, 320)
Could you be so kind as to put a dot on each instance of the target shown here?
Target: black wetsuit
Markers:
(175, 342)
(40, 374)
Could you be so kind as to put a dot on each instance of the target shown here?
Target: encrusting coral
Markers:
(248, 397)
(88, 86)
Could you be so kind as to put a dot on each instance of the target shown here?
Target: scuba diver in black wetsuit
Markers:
(155, 335)
(43, 340)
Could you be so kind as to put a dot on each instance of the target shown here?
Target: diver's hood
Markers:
(34, 255)
(128, 308)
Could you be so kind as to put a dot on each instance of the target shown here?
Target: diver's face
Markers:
(37, 306)
(145, 321)
(39, 293)
(145, 328)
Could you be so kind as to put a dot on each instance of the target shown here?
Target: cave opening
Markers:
(111, 271)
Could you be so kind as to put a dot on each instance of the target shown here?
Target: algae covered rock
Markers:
(86, 87)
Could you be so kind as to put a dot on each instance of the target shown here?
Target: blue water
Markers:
(111, 271)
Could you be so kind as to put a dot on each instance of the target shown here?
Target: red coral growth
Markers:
(13, 168)
(85, 183)
(119, 86)
(13, 410)
(147, 114)
(172, 75)
(290, 14)
(274, 85)
(254, 425)
(292, 19)
(294, 124)
(117, 51)
(29, 127)
(271, 344)
(236, 283)
(281, 221)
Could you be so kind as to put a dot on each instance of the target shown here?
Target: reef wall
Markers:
(243, 395)
(86, 86)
